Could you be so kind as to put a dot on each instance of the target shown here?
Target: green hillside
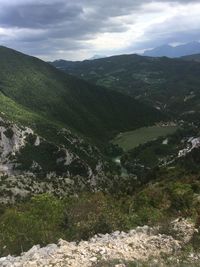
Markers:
(171, 85)
(87, 109)
(61, 185)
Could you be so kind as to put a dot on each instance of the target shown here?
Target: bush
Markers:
(44, 219)
(181, 196)
(95, 213)
(37, 222)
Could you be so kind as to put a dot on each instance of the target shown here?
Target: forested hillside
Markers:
(170, 85)
(87, 109)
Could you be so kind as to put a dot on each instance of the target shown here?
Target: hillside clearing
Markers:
(131, 139)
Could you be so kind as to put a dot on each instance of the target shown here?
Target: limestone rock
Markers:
(139, 244)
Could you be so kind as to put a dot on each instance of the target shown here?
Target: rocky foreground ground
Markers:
(136, 245)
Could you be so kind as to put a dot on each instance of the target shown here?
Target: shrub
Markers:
(37, 222)
(181, 196)
(95, 213)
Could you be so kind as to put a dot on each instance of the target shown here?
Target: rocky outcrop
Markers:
(139, 244)
(183, 230)
(12, 140)
(31, 164)
(21, 149)
(191, 144)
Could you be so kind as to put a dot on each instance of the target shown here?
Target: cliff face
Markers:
(31, 164)
(12, 140)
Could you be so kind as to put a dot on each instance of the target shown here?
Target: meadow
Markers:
(130, 140)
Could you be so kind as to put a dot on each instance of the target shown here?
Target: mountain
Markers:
(89, 110)
(170, 85)
(96, 57)
(164, 50)
(173, 52)
(195, 57)
(52, 123)
(56, 181)
(62, 64)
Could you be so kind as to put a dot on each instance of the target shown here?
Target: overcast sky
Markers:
(79, 29)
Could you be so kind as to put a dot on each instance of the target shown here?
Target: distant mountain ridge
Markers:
(195, 57)
(170, 85)
(96, 57)
(173, 52)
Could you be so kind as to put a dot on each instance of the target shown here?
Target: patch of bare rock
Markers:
(139, 244)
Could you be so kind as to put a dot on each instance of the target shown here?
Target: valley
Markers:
(66, 101)
(99, 133)
(97, 150)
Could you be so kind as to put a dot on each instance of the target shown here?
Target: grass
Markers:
(130, 140)
(20, 115)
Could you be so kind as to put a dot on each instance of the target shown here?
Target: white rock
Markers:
(93, 259)
(139, 244)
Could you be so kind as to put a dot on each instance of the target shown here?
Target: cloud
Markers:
(180, 26)
(38, 15)
(77, 29)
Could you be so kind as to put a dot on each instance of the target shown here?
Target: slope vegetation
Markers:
(87, 109)
(171, 85)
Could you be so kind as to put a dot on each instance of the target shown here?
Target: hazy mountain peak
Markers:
(97, 57)
(174, 51)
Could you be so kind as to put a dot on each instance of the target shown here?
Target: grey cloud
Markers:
(62, 19)
(38, 15)
(46, 13)
(49, 26)
(177, 29)
(159, 40)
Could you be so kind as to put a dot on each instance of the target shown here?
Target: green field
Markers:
(130, 140)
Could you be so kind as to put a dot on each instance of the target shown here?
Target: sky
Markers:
(80, 29)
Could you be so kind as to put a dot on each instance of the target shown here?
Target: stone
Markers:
(93, 259)
(139, 244)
